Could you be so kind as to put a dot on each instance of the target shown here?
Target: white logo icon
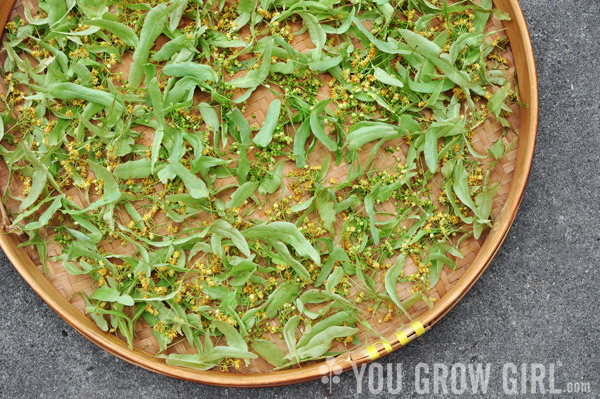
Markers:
(330, 372)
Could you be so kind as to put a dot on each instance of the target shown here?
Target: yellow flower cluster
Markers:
(280, 211)
(302, 180)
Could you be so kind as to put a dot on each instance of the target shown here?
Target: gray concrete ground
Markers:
(535, 304)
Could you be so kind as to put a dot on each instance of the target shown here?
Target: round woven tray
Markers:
(58, 288)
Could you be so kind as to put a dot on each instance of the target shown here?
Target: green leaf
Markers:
(321, 342)
(285, 293)
(265, 135)
(244, 9)
(176, 14)
(336, 319)
(316, 32)
(370, 131)
(208, 359)
(72, 91)
(316, 124)
(284, 257)
(242, 194)
(409, 302)
(196, 187)
(433, 53)
(485, 199)
(289, 334)
(497, 149)
(334, 279)
(497, 101)
(111, 187)
(386, 78)
(391, 278)
(460, 187)
(192, 69)
(430, 149)
(172, 47)
(108, 294)
(269, 351)
(336, 254)
(302, 206)
(123, 32)
(286, 232)
(242, 125)
(326, 209)
(241, 273)
(300, 138)
(153, 26)
(209, 115)
(464, 40)
(325, 64)
(370, 209)
(343, 28)
(159, 135)
(38, 183)
(138, 169)
(272, 180)
(97, 317)
(438, 261)
(389, 47)
(234, 339)
(46, 216)
(256, 77)
(225, 230)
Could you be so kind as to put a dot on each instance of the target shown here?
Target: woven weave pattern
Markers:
(490, 131)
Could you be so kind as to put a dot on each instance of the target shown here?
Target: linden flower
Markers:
(209, 260)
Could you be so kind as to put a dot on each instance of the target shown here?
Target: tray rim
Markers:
(521, 47)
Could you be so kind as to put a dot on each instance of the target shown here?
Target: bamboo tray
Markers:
(512, 172)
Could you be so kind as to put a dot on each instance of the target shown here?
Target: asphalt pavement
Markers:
(533, 313)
